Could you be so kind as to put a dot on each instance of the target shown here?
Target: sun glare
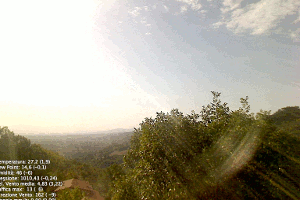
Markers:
(51, 50)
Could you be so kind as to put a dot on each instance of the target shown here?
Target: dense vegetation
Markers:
(216, 154)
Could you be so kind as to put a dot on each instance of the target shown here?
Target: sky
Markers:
(70, 66)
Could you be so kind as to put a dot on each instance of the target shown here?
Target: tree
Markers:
(215, 111)
(8, 146)
(197, 156)
(166, 155)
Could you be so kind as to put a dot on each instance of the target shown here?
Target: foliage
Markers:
(288, 120)
(206, 155)
(286, 114)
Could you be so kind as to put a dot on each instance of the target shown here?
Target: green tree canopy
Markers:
(177, 156)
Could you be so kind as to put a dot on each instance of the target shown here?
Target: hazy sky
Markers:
(71, 66)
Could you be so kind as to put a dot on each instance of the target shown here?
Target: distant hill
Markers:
(70, 145)
(97, 148)
(288, 119)
(116, 130)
